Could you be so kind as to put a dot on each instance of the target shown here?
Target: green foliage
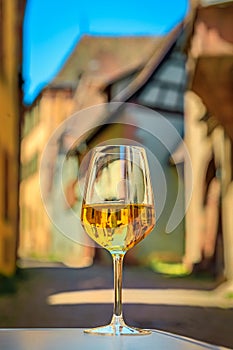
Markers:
(229, 295)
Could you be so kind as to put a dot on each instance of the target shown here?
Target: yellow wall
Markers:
(50, 109)
(9, 136)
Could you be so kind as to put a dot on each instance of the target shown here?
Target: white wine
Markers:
(118, 227)
(117, 175)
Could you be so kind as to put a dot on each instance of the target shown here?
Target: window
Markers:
(165, 88)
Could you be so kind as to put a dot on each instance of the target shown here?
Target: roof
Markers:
(92, 55)
(161, 83)
(164, 44)
(105, 58)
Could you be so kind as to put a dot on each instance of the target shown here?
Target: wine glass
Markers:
(117, 213)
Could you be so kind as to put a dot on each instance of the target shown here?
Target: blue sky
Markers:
(52, 29)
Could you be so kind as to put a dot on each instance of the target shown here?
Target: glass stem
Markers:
(118, 268)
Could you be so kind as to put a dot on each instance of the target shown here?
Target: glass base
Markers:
(117, 327)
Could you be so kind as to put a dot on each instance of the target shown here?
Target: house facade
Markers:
(209, 135)
(40, 120)
(207, 111)
(148, 104)
(11, 19)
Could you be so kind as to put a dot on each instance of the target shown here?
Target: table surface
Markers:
(75, 339)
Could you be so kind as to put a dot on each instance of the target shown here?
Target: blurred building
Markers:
(150, 74)
(11, 19)
(79, 85)
(209, 136)
(40, 120)
(152, 115)
(160, 85)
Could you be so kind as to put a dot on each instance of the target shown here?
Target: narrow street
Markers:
(87, 302)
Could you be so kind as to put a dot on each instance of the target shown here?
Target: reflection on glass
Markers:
(117, 213)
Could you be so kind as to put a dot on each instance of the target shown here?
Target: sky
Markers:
(52, 29)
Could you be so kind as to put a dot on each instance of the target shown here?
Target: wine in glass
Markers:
(117, 213)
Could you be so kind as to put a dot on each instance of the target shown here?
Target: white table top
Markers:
(75, 339)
